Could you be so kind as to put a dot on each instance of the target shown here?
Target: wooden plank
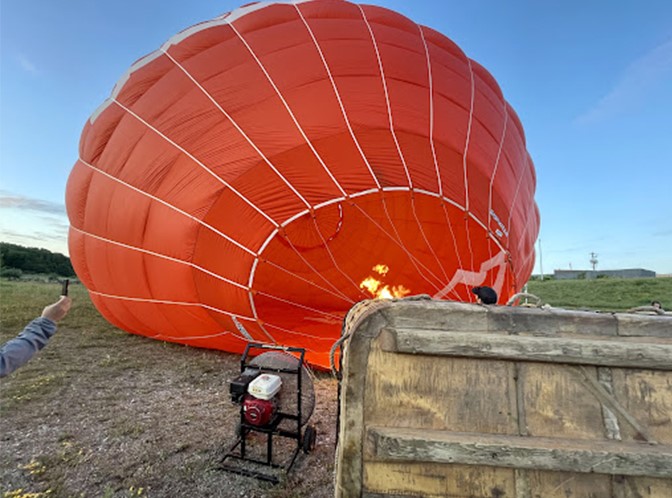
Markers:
(613, 430)
(351, 412)
(639, 487)
(647, 397)
(556, 404)
(543, 349)
(439, 314)
(519, 395)
(436, 480)
(553, 321)
(567, 455)
(550, 484)
(599, 391)
(455, 394)
(644, 326)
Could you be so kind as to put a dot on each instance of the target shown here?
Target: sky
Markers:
(591, 82)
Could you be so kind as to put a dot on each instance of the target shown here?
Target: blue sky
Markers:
(591, 82)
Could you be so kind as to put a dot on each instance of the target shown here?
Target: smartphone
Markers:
(64, 289)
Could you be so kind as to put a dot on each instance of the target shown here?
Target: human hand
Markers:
(58, 310)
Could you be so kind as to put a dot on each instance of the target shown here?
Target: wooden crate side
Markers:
(552, 484)
(556, 403)
(437, 480)
(554, 321)
(647, 396)
(537, 453)
(640, 487)
(351, 427)
(566, 350)
(438, 315)
(516, 387)
(453, 394)
(644, 326)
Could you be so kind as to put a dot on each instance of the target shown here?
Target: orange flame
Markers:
(381, 269)
(379, 291)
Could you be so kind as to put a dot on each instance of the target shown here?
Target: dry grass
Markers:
(103, 413)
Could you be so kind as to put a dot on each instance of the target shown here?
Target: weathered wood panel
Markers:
(438, 480)
(561, 454)
(550, 484)
(565, 400)
(640, 487)
(644, 326)
(455, 394)
(545, 349)
(647, 396)
(556, 403)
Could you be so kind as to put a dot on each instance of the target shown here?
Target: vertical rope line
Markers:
(350, 129)
(401, 246)
(414, 261)
(374, 43)
(435, 157)
(249, 140)
(203, 166)
(314, 270)
(452, 235)
(466, 144)
(494, 172)
(239, 129)
(289, 110)
(515, 195)
(338, 98)
(439, 181)
(333, 260)
(464, 159)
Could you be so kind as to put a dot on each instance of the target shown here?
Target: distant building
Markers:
(590, 274)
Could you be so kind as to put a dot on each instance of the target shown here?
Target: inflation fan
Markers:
(276, 397)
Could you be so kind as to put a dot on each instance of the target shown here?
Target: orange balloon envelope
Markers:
(263, 171)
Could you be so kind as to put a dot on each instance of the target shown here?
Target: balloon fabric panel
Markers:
(264, 171)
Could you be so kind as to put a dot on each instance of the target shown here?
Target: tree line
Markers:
(15, 260)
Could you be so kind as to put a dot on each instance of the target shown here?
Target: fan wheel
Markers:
(309, 439)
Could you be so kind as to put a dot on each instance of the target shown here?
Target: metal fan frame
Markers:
(305, 441)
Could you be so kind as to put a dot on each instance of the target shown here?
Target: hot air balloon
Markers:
(261, 172)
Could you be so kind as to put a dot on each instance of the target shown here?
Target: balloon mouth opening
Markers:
(373, 246)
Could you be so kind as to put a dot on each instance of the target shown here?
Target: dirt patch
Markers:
(103, 413)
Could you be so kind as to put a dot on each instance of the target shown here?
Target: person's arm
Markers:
(18, 351)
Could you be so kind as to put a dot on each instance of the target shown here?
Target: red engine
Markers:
(259, 412)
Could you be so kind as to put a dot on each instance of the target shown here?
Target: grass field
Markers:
(608, 294)
(102, 413)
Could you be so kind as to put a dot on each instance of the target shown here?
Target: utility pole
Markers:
(541, 263)
(593, 260)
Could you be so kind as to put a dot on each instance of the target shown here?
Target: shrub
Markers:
(11, 273)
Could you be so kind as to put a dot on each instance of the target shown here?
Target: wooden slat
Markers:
(570, 455)
(524, 348)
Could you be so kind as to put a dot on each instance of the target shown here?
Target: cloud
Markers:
(26, 64)
(55, 242)
(9, 201)
(638, 79)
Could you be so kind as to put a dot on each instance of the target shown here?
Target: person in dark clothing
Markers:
(485, 295)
